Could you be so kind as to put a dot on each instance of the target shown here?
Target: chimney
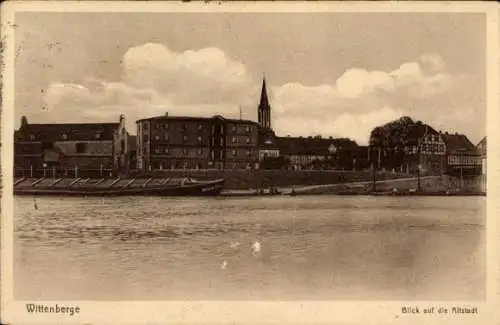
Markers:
(166, 114)
(24, 121)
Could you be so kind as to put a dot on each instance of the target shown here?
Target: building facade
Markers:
(85, 149)
(322, 153)
(481, 150)
(432, 153)
(175, 142)
(462, 157)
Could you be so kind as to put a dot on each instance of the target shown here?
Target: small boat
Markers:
(117, 187)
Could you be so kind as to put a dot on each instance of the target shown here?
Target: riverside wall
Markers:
(442, 183)
(251, 179)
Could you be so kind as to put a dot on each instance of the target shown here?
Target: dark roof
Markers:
(264, 100)
(196, 119)
(312, 146)
(267, 138)
(75, 132)
(457, 142)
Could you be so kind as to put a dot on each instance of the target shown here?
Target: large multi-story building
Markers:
(176, 142)
(93, 149)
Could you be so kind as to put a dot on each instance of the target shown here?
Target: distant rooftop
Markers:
(194, 118)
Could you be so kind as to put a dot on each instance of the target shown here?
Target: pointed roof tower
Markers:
(264, 100)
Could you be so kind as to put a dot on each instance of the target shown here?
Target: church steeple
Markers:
(264, 107)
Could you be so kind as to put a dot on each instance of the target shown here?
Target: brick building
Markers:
(83, 149)
(178, 142)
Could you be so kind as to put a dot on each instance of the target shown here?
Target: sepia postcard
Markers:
(250, 163)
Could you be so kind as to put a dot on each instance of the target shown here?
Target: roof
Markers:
(482, 147)
(70, 132)
(312, 146)
(482, 142)
(264, 100)
(457, 142)
(267, 139)
(196, 119)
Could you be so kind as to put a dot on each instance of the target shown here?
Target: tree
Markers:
(394, 139)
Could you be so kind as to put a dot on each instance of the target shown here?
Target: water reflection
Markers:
(308, 248)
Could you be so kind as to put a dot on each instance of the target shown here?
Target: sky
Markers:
(329, 74)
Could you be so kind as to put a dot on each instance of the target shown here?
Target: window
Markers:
(157, 126)
(157, 137)
(145, 126)
(157, 150)
(200, 138)
(32, 137)
(165, 126)
(184, 126)
(248, 139)
(212, 154)
(64, 136)
(248, 128)
(249, 153)
(97, 136)
(200, 127)
(166, 151)
(185, 138)
(146, 138)
(234, 139)
(200, 152)
(185, 151)
(233, 128)
(81, 147)
(234, 152)
(167, 137)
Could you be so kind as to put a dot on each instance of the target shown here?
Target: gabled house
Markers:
(462, 157)
(76, 149)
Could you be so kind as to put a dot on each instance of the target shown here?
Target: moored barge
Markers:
(117, 187)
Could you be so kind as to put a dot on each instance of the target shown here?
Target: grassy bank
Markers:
(251, 179)
(429, 184)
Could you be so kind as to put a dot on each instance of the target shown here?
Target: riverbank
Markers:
(426, 186)
(286, 179)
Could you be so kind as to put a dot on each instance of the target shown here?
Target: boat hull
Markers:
(212, 188)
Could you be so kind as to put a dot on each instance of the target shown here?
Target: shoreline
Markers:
(231, 194)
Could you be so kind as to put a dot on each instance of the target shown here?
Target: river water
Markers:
(314, 247)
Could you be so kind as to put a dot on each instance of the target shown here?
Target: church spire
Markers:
(264, 101)
(264, 107)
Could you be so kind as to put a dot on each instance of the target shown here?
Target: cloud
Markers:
(207, 82)
(362, 99)
(155, 80)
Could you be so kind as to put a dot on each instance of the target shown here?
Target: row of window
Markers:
(428, 147)
(199, 139)
(199, 152)
(199, 127)
(64, 136)
(464, 160)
